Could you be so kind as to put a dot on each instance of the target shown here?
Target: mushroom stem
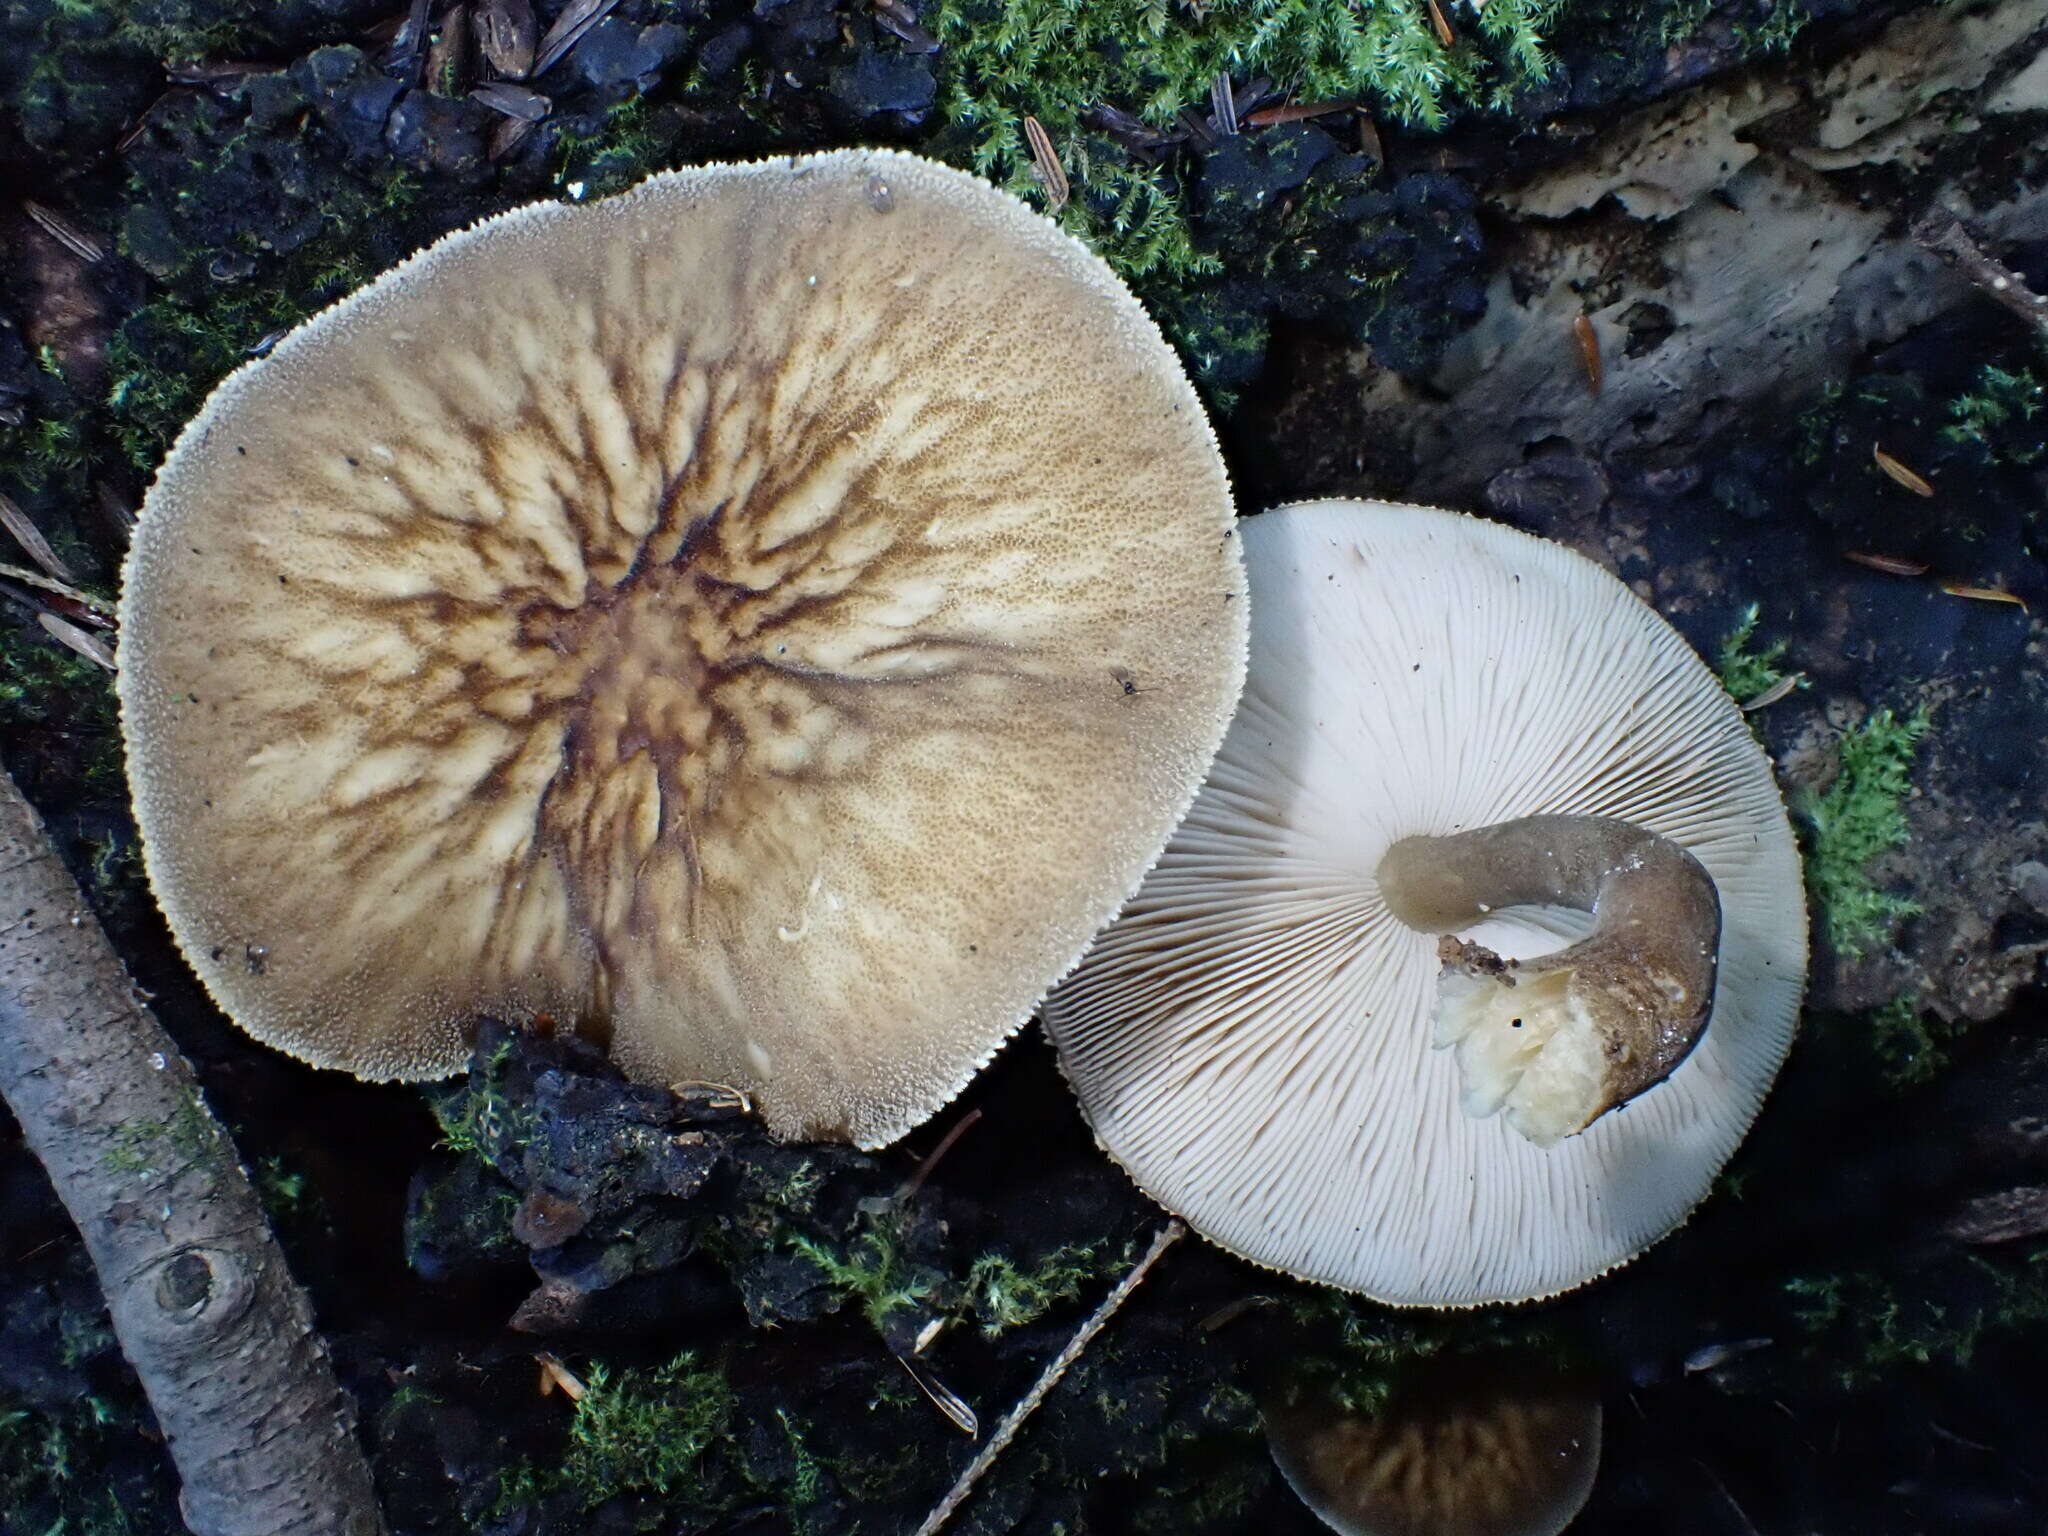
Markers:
(1558, 1041)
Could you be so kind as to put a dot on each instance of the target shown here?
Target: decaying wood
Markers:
(201, 1300)
(1726, 248)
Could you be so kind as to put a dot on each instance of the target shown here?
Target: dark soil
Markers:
(1847, 1339)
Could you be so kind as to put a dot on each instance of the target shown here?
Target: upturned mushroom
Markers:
(1457, 743)
(768, 620)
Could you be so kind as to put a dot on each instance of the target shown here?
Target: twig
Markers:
(68, 634)
(30, 538)
(1949, 238)
(220, 1336)
(99, 608)
(1045, 165)
(1049, 1378)
(930, 1161)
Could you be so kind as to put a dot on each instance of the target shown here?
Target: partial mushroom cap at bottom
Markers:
(1465, 1446)
(1254, 1038)
(769, 619)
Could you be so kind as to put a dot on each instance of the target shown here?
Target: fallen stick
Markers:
(202, 1303)
(1006, 1431)
(1950, 238)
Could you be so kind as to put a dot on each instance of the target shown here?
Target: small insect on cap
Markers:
(772, 617)
(1453, 735)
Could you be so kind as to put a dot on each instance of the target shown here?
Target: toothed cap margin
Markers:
(775, 615)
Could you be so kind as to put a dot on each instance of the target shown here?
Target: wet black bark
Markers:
(202, 1303)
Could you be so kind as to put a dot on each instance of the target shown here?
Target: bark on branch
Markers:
(1949, 238)
(204, 1307)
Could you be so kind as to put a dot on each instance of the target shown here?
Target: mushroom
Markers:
(1464, 1446)
(769, 620)
(1449, 727)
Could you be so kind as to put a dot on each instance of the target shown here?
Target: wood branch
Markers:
(1005, 1432)
(1949, 238)
(202, 1302)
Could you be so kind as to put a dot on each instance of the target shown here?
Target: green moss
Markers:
(410, 1394)
(1813, 434)
(797, 1480)
(870, 1269)
(283, 1190)
(1003, 1295)
(1363, 1347)
(478, 1118)
(882, 1477)
(167, 357)
(87, 63)
(116, 866)
(1746, 671)
(1775, 30)
(162, 1150)
(1683, 22)
(806, 1482)
(1911, 1046)
(633, 141)
(49, 453)
(1057, 59)
(1996, 416)
(795, 1191)
(1202, 1490)
(54, 1471)
(42, 681)
(83, 1336)
(644, 1431)
(1865, 1326)
(521, 1485)
(1857, 819)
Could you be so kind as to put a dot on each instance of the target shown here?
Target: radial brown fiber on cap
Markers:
(772, 618)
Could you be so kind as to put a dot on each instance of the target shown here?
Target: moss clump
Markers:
(479, 1118)
(66, 1474)
(1056, 60)
(167, 357)
(644, 1431)
(42, 681)
(166, 1150)
(1865, 1326)
(74, 71)
(650, 1432)
(1911, 1046)
(1995, 417)
(1858, 818)
(1775, 30)
(871, 1269)
(630, 142)
(1360, 1349)
(1744, 669)
(1002, 1294)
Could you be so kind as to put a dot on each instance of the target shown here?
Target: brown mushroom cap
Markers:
(1464, 1447)
(772, 617)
